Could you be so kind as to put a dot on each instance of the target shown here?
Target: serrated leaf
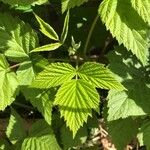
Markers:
(16, 38)
(8, 84)
(46, 29)
(16, 128)
(55, 74)
(25, 73)
(24, 2)
(126, 128)
(122, 106)
(41, 137)
(65, 28)
(80, 138)
(131, 31)
(135, 78)
(99, 76)
(67, 4)
(28, 69)
(143, 8)
(42, 100)
(48, 47)
(76, 99)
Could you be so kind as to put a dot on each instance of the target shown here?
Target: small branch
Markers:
(90, 34)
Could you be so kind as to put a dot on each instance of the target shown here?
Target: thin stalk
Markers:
(90, 34)
(14, 66)
(77, 66)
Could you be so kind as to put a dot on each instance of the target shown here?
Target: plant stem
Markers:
(90, 34)
(14, 66)
(77, 66)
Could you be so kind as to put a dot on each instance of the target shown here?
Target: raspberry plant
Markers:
(47, 65)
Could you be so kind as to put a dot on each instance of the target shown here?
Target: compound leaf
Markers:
(99, 76)
(16, 38)
(76, 99)
(135, 78)
(40, 137)
(131, 31)
(53, 75)
(8, 84)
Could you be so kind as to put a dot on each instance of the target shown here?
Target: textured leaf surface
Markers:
(46, 29)
(99, 76)
(122, 106)
(16, 38)
(41, 137)
(25, 73)
(131, 31)
(67, 4)
(49, 47)
(76, 99)
(135, 78)
(15, 129)
(143, 8)
(8, 84)
(55, 74)
(24, 2)
(126, 128)
(42, 100)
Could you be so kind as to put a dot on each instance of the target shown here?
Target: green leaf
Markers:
(41, 137)
(99, 76)
(135, 78)
(55, 74)
(67, 4)
(25, 73)
(65, 28)
(144, 134)
(46, 29)
(122, 106)
(24, 2)
(126, 128)
(16, 38)
(76, 99)
(80, 138)
(143, 8)
(16, 128)
(131, 31)
(8, 84)
(42, 100)
(49, 47)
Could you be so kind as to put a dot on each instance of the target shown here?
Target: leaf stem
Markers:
(90, 34)
(77, 66)
(15, 66)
